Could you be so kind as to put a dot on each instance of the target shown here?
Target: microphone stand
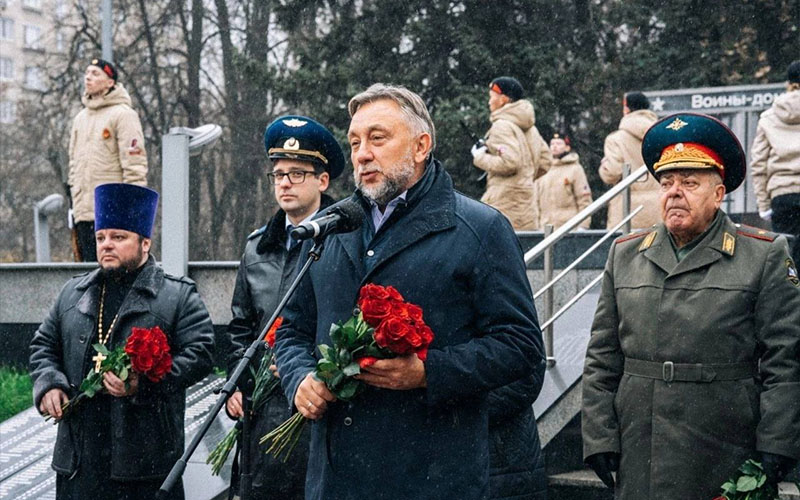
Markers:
(245, 483)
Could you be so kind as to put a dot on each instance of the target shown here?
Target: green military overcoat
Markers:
(731, 303)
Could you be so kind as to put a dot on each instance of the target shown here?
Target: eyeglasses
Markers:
(295, 176)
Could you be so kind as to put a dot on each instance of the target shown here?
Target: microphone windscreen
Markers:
(351, 213)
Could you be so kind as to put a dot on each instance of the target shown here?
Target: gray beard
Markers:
(392, 185)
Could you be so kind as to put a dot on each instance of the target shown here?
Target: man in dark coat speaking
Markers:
(419, 430)
(121, 443)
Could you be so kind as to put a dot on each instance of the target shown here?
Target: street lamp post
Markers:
(177, 146)
(41, 229)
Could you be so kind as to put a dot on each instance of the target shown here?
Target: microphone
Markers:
(342, 217)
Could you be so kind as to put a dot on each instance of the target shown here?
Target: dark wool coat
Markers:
(265, 273)
(730, 306)
(516, 461)
(460, 261)
(147, 427)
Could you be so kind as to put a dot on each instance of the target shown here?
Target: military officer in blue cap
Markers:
(693, 366)
(121, 443)
(304, 158)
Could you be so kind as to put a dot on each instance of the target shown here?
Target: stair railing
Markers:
(545, 248)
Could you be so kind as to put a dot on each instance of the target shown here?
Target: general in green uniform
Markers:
(694, 361)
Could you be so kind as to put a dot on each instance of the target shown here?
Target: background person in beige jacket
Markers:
(563, 191)
(514, 155)
(106, 145)
(625, 146)
(775, 161)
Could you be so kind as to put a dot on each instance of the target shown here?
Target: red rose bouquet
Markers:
(383, 326)
(146, 352)
(265, 384)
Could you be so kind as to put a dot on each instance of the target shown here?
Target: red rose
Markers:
(367, 361)
(270, 338)
(426, 333)
(148, 351)
(375, 310)
(407, 310)
(373, 291)
(393, 334)
(394, 294)
(161, 369)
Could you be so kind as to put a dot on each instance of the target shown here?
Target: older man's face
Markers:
(385, 152)
(689, 200)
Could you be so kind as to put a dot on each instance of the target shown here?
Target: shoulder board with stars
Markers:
(756, 233)
(257, 232)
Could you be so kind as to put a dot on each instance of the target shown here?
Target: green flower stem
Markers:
(220, 454)
(284, 437)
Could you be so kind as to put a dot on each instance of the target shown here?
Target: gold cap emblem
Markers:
(294, 122)
(291, 144)
(677, 124)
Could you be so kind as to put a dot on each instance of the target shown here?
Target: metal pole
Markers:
(41, 235)
(41, 228)
(548, 299)
(175, 203)
(108, 53)
(626, 198)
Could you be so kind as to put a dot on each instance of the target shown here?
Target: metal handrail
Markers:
(569, 304)
(596, 205)
(551, 238)
(588, 252)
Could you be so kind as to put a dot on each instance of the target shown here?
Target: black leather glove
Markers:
(776, 466)
(603, 464)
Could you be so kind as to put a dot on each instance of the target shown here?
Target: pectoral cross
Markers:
(98, 360)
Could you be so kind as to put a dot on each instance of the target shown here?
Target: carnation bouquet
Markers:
(383, 326)
(265, 384)
(751, 484)
(146, 353)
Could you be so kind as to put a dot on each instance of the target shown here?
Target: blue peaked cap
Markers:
(667, 145)
(301, 138)
(125, 206)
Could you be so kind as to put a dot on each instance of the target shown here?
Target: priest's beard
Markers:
(125, 267)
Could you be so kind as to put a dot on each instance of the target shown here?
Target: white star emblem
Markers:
(658, 104)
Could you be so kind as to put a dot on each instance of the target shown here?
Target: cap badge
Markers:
(294, 122)
(94, 62)
(679, 147)
(677, 124)
(292, 144)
